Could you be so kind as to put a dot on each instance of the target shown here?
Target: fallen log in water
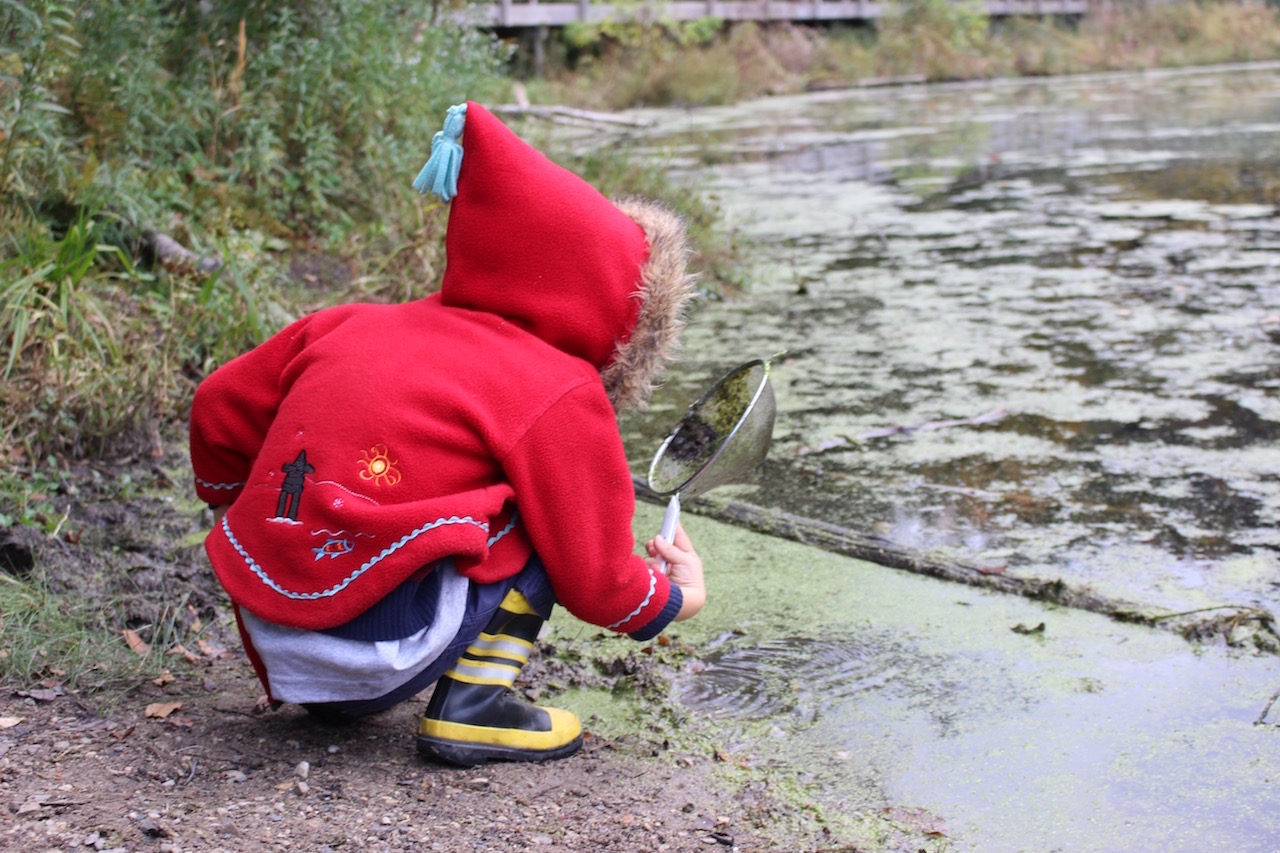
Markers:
(1234, 623)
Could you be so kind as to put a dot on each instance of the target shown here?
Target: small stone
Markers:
(301, 788)
(303, 770)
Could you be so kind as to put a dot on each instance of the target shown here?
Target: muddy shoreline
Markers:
(186, 757)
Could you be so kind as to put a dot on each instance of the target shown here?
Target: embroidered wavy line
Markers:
(219, 486)
(653, 585)
(504, 531)
(343, 532)
(338, 485)
(334, 590)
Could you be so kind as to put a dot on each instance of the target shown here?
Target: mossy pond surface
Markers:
(1033, 326)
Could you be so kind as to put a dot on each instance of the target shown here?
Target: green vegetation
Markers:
(249, 131)
(50, 638)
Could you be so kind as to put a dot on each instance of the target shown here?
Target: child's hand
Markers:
(684, 569)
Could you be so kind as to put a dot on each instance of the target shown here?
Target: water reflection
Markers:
(1099, 259)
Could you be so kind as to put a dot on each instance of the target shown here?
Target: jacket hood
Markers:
(536, 244)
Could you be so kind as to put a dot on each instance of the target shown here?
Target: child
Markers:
(403, 492)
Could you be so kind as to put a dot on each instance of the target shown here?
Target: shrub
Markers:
(244, 129)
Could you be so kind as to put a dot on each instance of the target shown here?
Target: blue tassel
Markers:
(440, 175)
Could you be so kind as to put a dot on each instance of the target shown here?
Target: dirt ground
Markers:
(185, 759)
(217, 775)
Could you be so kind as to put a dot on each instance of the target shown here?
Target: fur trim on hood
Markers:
(666, 288)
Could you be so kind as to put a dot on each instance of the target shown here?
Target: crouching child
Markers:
(402, 492)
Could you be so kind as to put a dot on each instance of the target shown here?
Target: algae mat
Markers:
(1031, 324)
(990, 722)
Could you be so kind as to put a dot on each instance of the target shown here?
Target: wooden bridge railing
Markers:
(557, 13)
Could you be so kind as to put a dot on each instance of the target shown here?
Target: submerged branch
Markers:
(874, 549)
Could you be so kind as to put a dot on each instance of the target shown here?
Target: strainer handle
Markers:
(669, 522)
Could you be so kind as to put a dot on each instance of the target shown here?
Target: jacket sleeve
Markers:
(574, 490)
(232, 411)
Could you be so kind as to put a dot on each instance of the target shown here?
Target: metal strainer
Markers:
(722, 436)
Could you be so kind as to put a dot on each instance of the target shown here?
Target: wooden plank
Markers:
(558, 13)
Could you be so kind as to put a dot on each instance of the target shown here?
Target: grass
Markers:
(48, 638)
(250, 131)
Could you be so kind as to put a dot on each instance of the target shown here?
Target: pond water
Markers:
(1032, 325)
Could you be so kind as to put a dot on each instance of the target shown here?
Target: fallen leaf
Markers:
(10, 722)
(41, 695)
(136, 643)
(166, 677)
(213, 650)
(160, 710)
(179, 649)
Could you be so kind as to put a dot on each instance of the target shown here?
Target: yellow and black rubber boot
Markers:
(473, 715)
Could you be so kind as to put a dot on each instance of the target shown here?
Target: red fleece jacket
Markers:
(365, 441)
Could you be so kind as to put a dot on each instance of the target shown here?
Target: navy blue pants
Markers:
(418, 597)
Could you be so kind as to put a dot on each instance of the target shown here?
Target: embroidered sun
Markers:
(378, 466)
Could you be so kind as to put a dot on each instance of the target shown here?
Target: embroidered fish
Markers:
(334, 548)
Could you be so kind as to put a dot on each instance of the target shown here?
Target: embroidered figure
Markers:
(295, 477)
(379, 466)
(334, 548)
